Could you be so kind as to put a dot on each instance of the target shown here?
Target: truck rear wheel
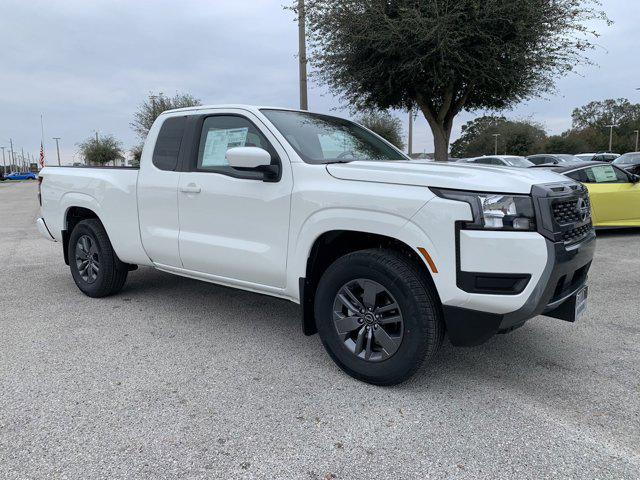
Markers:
(95, 267)
(378, 317)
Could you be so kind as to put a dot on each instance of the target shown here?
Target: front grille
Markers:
(573, 216)
(566, 211)
(576, 234)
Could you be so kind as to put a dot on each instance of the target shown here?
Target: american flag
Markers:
(41, 155)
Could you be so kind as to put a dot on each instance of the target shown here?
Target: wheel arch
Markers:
(333, 244)
(73, 215)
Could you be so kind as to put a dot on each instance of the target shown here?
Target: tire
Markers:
(415, 329)
(110, 275)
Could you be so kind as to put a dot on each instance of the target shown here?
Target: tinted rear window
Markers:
(165, 153)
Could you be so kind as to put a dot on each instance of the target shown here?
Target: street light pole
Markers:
(495, 136)
(58, 149)
(611, 127)
(302, 55)
(637, 132)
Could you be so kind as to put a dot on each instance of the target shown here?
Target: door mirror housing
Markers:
(248, 157)
(253, 158)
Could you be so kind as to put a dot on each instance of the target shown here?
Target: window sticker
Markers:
(603, 174)
(219, 141)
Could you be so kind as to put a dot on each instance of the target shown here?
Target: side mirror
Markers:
(248, 157)
(253, 158)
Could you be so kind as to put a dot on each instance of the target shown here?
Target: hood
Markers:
(458, 176)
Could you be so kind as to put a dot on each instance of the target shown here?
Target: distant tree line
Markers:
(588, 132)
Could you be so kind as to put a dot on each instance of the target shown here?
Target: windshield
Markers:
(518, 162)
(324, 139)
(628, 159)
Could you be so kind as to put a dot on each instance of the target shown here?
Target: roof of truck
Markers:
(231, 106)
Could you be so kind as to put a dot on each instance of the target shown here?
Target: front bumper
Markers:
(564, 275)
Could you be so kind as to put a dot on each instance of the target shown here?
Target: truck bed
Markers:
(109, 192)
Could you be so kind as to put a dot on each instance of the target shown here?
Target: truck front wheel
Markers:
(378, 317)
(95, 267)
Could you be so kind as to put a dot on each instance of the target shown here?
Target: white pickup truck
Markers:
(384, 255)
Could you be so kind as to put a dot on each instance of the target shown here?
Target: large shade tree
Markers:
(445, 56)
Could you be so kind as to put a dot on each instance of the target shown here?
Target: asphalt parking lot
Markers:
(174, 378)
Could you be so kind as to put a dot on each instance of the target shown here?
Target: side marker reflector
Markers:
(429, 260)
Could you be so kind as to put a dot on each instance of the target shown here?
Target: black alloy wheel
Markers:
(368, 319)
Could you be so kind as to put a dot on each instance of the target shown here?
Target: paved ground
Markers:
(176, 378)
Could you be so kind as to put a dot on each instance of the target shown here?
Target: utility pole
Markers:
(58, 149)
(97, 136)
(495, 136)
(302, 55)
(12, 155)
(4, 164)
(637, 132)
(410, 147)
(611, 127)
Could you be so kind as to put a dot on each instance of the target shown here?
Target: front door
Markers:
(233, 225)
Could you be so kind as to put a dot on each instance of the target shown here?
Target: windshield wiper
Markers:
(330, 162)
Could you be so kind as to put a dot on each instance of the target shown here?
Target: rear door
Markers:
(233, 225)
(158, 192)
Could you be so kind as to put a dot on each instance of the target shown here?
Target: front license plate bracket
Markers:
(573, 308)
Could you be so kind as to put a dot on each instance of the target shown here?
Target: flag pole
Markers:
(41, 160)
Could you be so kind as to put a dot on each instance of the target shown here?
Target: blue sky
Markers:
(87, 65)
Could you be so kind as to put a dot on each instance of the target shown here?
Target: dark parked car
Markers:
(552, 158)
(598, 157)
(629, 161)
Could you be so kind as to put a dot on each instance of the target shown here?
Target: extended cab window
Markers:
(165, 153)
(222, 132)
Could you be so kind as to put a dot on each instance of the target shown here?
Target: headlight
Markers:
(495, 211)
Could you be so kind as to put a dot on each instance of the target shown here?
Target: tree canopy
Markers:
(101, 150)
(154, 105)
(590, 122)
(516, 137)
(445, 56)
(385, 125)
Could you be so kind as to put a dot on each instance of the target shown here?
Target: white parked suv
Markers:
(384, 255)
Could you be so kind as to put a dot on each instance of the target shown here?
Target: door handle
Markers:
(190, 189)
